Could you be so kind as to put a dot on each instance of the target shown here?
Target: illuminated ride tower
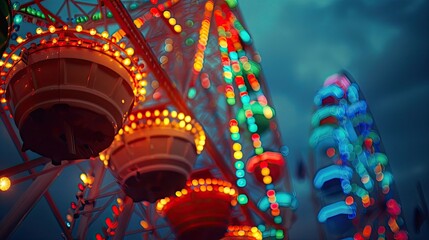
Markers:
(353, 181)
(156, 106)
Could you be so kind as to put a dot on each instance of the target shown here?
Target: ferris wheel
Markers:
(138, 119)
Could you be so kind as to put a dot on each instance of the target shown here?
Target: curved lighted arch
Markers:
(332, 172)
(335, 209)
(331, 90)
(327, 111)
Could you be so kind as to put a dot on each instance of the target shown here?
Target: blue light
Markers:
(245, 99)
(352, 93)
(356, 108)
(241, 182)
(320, 134)
(239, 164)
(253, 128)
(233, 55)
(345, 185)
(235, 136)
(251, 120)
(244, 35)
(240, 173)
(17, 19)
(284, 150)
(335, 209)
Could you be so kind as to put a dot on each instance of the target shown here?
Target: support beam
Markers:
(85, 220)
(124, 219)
(25, 166)
(57, 215)
(23, 206)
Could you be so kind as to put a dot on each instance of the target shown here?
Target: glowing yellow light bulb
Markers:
(172, 21)
(267, 180)
(142, 91)
(105, 34)
(126, 61)
(177, 28)
(51, 29)
(195, 182)
(15, 57)
(129, 51)
(166, 121)
(181, 116)
(39, 30)
(268, 113)
(84, 178)
(265, 171)
(138, 76)
(238, 155)
(4, 184)
(79, 28)
(92, 31)
(19, 39)
(166, 14)
(236, 147)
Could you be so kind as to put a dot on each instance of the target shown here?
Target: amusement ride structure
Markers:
(155, 112)
(354, 183)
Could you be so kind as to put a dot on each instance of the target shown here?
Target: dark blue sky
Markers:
(384, 44)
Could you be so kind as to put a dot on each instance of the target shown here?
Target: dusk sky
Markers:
(383, 44)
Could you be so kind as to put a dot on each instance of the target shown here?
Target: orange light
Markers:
(349, 200)
(267, 180)
(367, 231)
(144, 224)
